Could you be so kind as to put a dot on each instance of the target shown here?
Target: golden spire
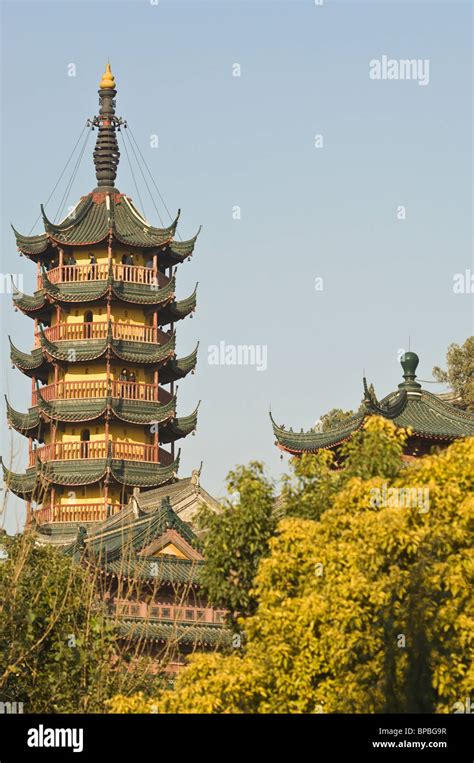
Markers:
(108, 79)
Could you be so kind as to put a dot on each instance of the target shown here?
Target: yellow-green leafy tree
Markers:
(368, 609)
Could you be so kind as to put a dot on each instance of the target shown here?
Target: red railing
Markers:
(77, 512)
(127, 451)
(169, 612)
(98, 330)
(100, 271)
(69, 390)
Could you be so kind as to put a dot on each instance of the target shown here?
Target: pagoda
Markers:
(102, 422)
(432, 420)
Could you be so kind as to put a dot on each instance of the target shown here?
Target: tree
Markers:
(334, 418)
(368, 609)
(460, 372)
(236, 538)
(58, 651)
(314, 481)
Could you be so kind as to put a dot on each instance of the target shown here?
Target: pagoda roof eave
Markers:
(96, 217)
(91, 409)
(23, 485)
(422, 413)
(177, 310)
(179, 368)
(95, 291)
(311, 441)
(146, 353)
(180, 427)
(195, 635)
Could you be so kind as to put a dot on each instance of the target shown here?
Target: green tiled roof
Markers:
(426, 414)
(140, 474)
(24, 485)
(121, 538)
(73, 351)
(175, 311)
(174, 429)
(89, 409)
(179, 367)
(141, 294)
(94, 218)
(196, 635)
(88, 472)
(156, 568)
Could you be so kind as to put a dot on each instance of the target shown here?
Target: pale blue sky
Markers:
(306, 212)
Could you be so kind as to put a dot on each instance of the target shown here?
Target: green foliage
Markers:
(460, 372)
(375, 450)
(334, 418)
(310, 489)
(236, 539)
(312, 485)
(58, 652)
(368, 609)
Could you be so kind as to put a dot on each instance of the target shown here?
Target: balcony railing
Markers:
(98, 330)
(169, 612)
(127, 451)
(100, 271)
(81, 390)
(77, 512)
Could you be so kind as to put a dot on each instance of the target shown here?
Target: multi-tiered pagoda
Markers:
(103, 419)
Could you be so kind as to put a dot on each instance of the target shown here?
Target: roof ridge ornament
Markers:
(409, 362)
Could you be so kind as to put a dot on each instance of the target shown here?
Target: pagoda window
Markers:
(189, 614)
(88, 319)
(85, 438)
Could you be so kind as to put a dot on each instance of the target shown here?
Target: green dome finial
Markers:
(409, 362)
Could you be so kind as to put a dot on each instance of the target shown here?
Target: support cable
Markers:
(59, 178)
(133, 174)
(72, 178)
(152, 178)
(145, 181)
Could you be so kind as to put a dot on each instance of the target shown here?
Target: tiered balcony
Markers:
(99, 272)
(98, 449)
(169, 612)
(77, 512)
(86, 390)
(98, 330)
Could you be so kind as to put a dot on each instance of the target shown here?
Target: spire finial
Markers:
(108, 80)
(106, 152)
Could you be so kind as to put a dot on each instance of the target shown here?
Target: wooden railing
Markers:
(99, 272)
(77, 512)
(169, 612)
(98, 330)
(127, 451)
(75, 390)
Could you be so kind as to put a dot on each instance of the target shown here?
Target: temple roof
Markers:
(39, 304)
(186, 496)
(196, 635)
(94, 291)
(177, 368)
(100, 214)
(91, 409)
(126, 536)
(37, 361)
(31, 484)
(428, 416)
